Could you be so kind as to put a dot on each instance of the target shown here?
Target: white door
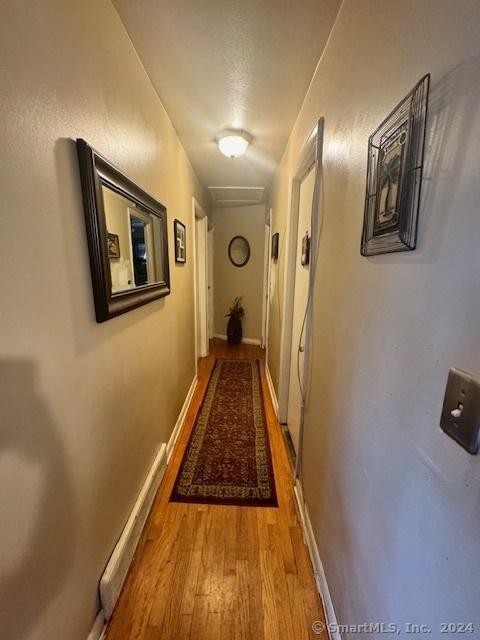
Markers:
(299, 306)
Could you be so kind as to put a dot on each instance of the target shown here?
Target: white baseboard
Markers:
(181, 418)
(318, 570)
(271, 388)
(117, 568)
(297, 490)
(254, 341)
(97, 632)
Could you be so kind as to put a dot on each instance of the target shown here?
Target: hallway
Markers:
(300, 180)
(209, 572)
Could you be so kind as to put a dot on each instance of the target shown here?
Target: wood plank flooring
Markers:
(209, 572)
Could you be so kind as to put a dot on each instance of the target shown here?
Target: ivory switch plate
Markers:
(461, 409)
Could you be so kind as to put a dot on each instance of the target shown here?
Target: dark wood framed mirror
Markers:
(239, 251)
(127, 237)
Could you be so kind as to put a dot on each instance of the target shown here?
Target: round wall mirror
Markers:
(239, 251)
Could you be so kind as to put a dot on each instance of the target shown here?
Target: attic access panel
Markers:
(236, 195)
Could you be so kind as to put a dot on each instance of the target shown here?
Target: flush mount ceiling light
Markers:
(233, 143)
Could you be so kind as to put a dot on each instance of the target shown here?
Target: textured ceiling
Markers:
(217, 64)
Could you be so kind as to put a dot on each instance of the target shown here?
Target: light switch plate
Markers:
(461, 409)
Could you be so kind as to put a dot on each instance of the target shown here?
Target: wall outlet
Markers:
(461, 409)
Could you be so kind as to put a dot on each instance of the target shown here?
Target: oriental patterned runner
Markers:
(228, 459)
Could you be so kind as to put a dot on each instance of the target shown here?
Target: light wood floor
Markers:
(209, 572)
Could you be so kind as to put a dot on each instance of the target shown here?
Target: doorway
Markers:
(301, 279)
(141, 249)
(294, 345)
(200, 279)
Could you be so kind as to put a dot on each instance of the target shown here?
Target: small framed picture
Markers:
(305, 250)
(275, 240)
(113, 244)
(180, 236)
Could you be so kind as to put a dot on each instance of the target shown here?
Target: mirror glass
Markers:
(239, 251)
(134, 243)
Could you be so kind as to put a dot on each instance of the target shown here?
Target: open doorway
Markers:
(200, 279)
(300, 298)
(300, 255)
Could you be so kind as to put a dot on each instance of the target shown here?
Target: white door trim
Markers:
(307, 159)
(210, 282)
(266, 283)
(200, 280)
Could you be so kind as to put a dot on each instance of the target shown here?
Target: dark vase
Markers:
(234, 330)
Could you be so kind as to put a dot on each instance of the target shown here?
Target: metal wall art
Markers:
(394, 176)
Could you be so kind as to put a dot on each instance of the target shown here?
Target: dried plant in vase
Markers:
(234, 327)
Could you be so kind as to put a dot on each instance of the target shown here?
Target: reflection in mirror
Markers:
(134, 243)
(239, 251)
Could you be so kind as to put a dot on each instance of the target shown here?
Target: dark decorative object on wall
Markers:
(394, 176)
(239, 251)
(113, 245)
(109, 197)
(275, 240)
(305, 250)
(234, 326)
(180, 236)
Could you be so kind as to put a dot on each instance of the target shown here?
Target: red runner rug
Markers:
(228, 458)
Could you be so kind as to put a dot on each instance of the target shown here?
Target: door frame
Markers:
(266, 279)
(136, 213)
(200, 280)
(210, 282)
(309, 157)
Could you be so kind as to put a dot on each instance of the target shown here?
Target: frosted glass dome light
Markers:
(233, 144)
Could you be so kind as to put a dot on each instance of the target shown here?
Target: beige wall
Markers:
(231, 281)
(393, 501)
(84, 405)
